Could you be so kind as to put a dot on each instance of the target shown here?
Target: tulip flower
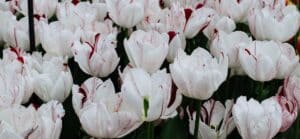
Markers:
(235, 9)
(291, 88)
(154, 16)
(289, 106)
(197, 20)
(126, 13)
(99, 58)
(12, 86)
(7, 132)
(170, 21)
(229, 44)
(80, 14)
(267, 60)
(277, 4)
(151, 96)
(17, 34)
(219, 23)
(7, 19)
(102, 12)
(216, 120)
(18, 61)
(256, 120)
(4, 5)
(147, 50)
(174, 25)
(176, 42)
(49, 121)
(18, 122)
(10, 6)
(102, 112)
(269, 23)
(43, 8)
(57, 40)
(53, 79)
(104, 28)
(198, 75)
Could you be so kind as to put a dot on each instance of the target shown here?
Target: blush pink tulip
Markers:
(288, 105)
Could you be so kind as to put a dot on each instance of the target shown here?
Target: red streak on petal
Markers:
(171, 34)
(93, 46)
(39, 17)
(97, 37)
(188, 12)
(200, 5)
(82, 91)
(248, 51)
(107, 17)
(20, 59)
(238, 1)
(204, 27)
(75, 2)
(17, 52)
(147, 19)
(36, 106)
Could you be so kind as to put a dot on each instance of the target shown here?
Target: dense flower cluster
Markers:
(152, 48)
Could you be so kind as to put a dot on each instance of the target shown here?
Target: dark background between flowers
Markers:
(175, 128)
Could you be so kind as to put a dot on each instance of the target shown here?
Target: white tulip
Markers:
(147, 50)
(151, 96)
(198, 75)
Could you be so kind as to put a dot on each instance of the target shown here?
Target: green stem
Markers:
(198, 108)
(150, 129)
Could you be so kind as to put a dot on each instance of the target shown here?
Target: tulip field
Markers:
(149, 69)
